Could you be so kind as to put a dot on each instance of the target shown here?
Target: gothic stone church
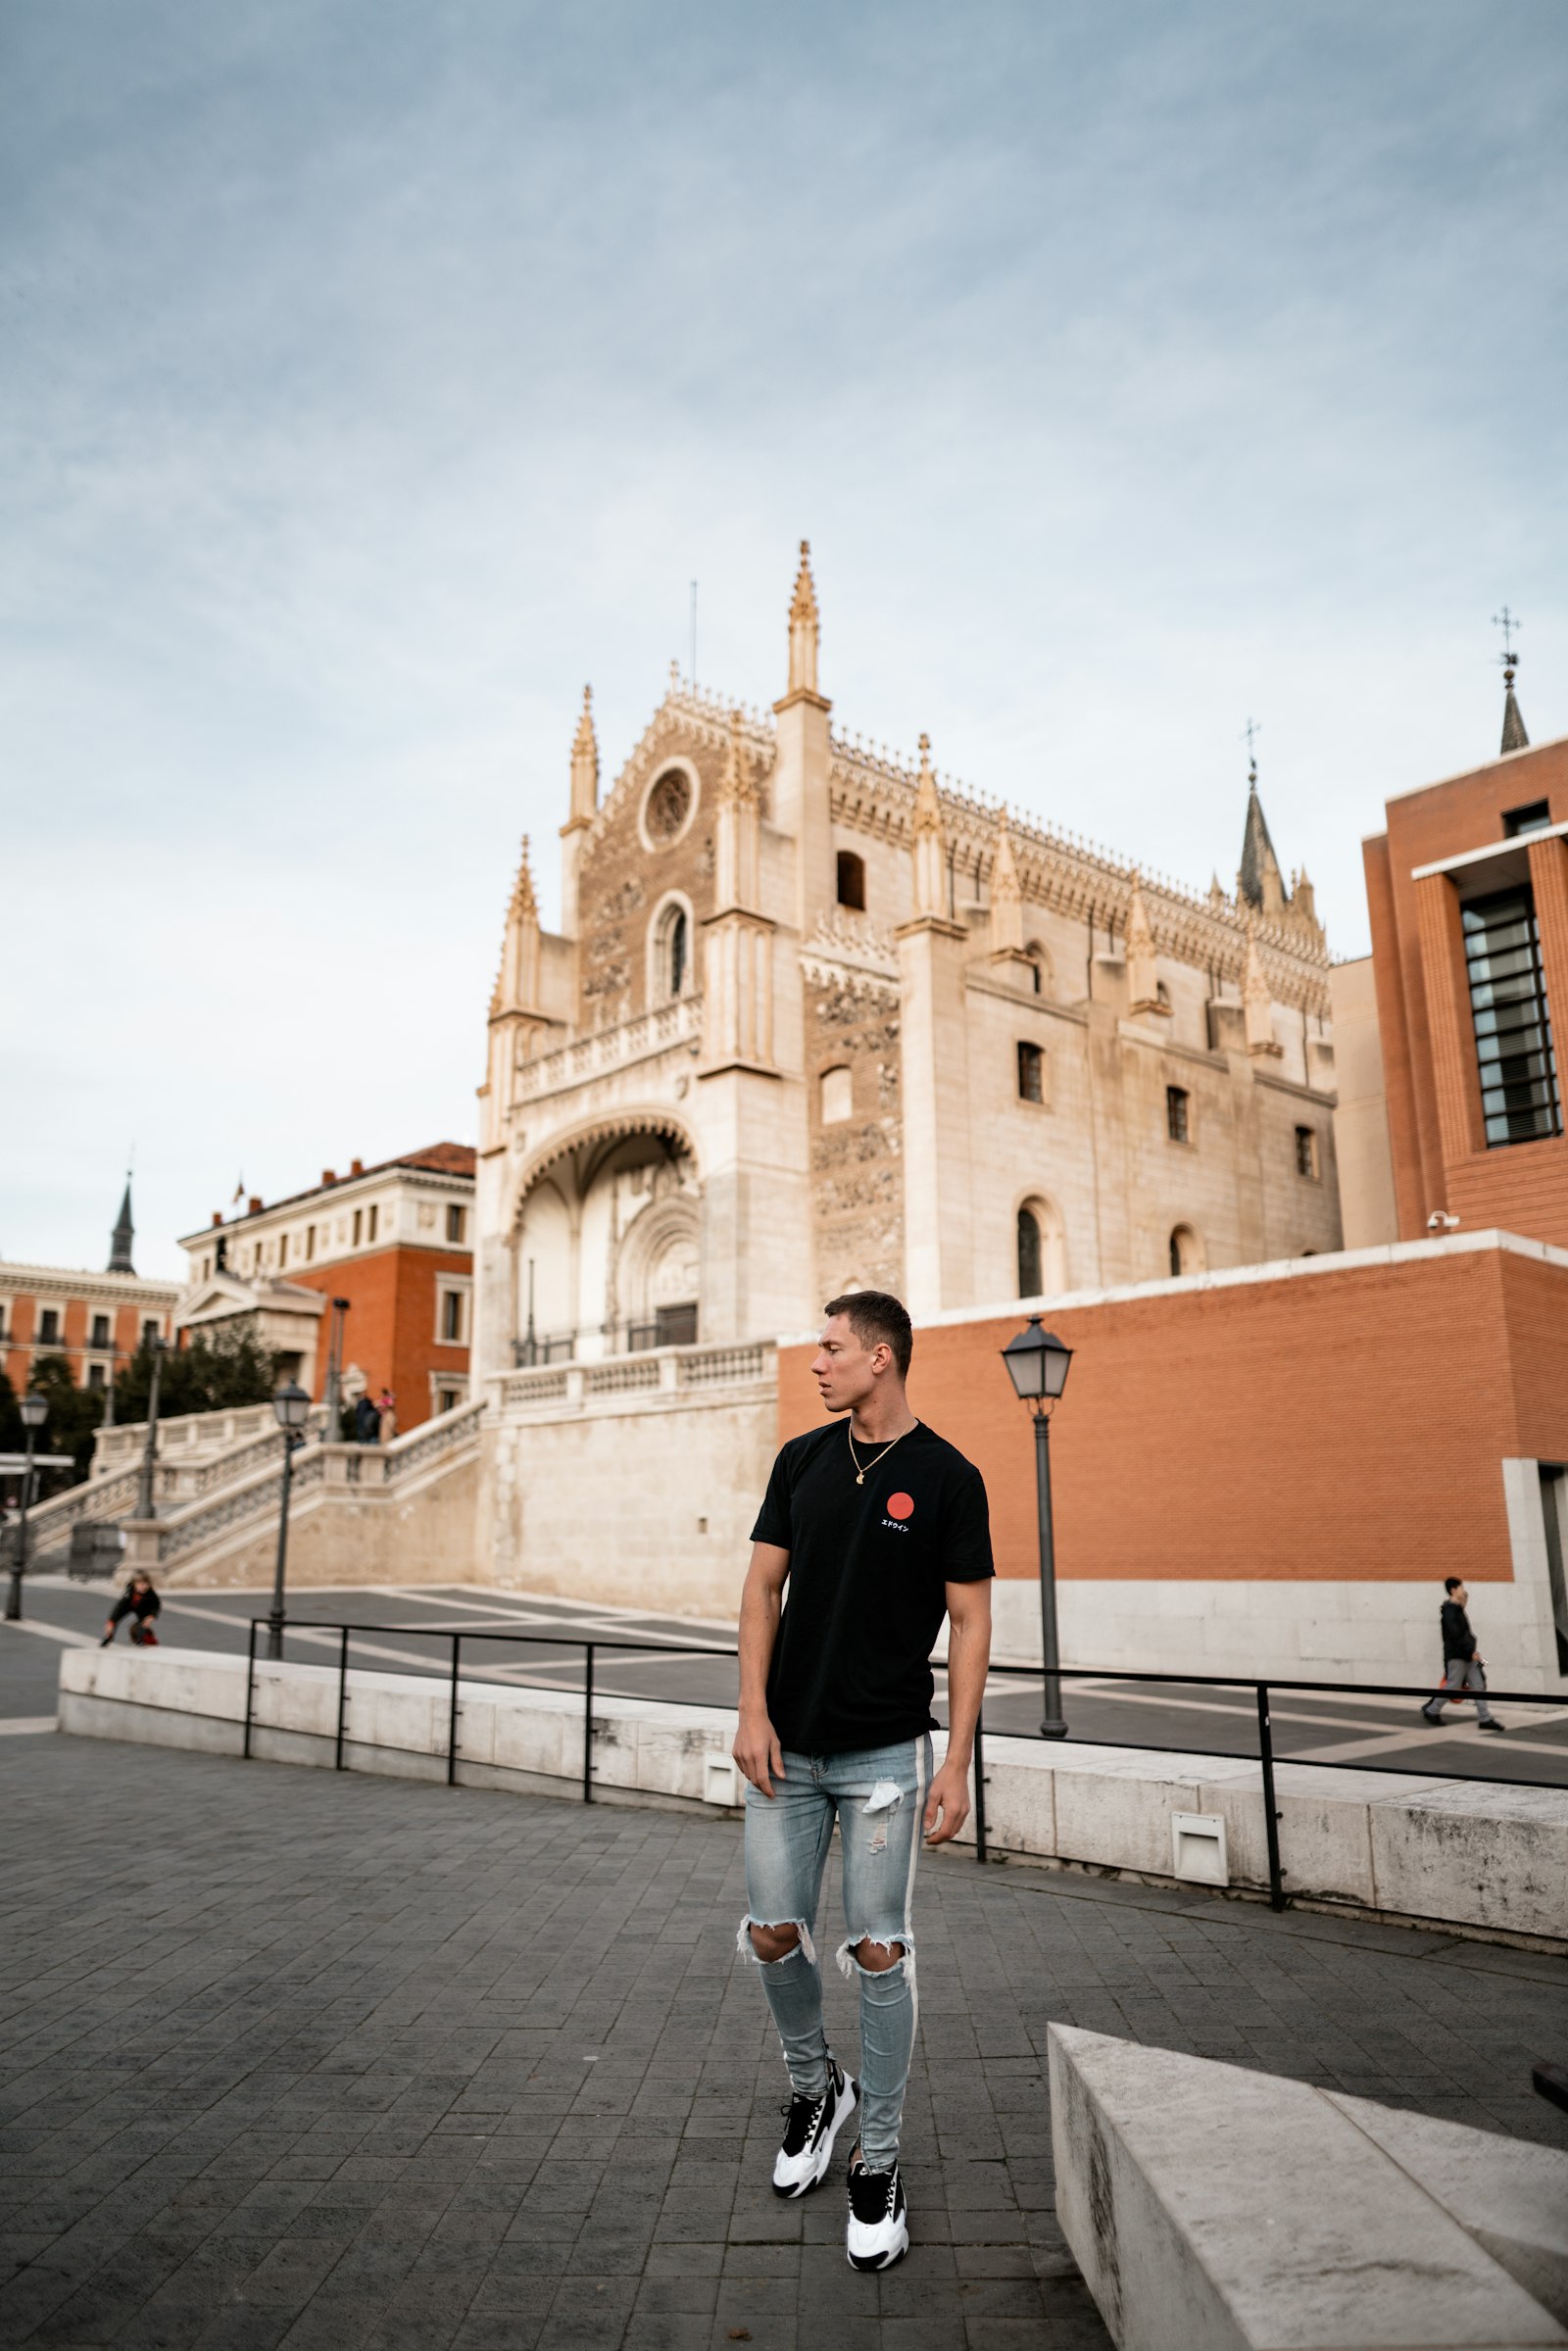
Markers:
(816, 1019)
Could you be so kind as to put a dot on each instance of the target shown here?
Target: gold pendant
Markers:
(860, 1478)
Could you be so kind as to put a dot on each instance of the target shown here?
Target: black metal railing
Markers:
(1262, 1689)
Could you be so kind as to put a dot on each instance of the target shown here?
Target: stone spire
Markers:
(584, 766)
(124, 1233)
(516, 987)
(805, 628)
(736, 833)
(1257, 1000)
(930, 844)
(1143, 971)
(1006, 895)
(1514, 737)
(1259, 883)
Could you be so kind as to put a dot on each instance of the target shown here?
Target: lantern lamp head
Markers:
(1037, 1363)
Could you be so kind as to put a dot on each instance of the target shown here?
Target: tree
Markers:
(220, 1369)
(74, 1417)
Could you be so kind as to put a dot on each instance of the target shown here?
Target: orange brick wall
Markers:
(1427, 1053)
(1340, 1424)
(124, 1323)
(389, 1330)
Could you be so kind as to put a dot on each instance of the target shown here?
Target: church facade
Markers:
(818, 1019)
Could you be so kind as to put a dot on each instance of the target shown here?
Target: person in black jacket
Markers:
(1464, 1666)
(138, 1601)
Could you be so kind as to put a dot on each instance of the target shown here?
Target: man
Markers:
(139, 1601)
(1463, 1668)
(879, 1528)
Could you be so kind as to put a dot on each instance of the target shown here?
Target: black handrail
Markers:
(1261, 1690)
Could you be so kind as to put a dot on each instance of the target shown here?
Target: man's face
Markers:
(1461, 1593)
(844, 1369)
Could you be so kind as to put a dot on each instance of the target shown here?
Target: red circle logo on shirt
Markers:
(899, 1505)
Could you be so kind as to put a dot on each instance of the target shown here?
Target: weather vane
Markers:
(1509, 656)
(1251, 732)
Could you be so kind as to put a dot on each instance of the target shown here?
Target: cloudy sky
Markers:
(375, 371)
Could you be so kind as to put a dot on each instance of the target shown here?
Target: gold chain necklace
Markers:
(859, 1473)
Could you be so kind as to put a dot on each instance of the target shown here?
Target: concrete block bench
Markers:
(1211, 2208)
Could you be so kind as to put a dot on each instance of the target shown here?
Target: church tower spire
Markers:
(1514, 737)
(516, 988)
(1006, 895)
(806, 628)
(930, 844)
(584, 809)
(1259, 883)
(585, 764)
(124, 1233)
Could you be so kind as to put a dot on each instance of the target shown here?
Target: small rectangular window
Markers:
(309, 1243)
(1177, 1124)
(1532, 819)
(1306, 1159)
(359, 1225)
(95, 1375)
(452, 1317)
(1031, 1073)
(457, 1221)
(375, 1215)
(100, 1330)
(149, 1329)
(48, 1326)
(282, 1251)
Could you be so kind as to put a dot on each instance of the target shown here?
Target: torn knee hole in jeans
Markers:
(748, 1949)
(851, 1965)
(884, 1799)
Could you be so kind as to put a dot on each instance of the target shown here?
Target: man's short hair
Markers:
(875, 1315)
(1452, 1583)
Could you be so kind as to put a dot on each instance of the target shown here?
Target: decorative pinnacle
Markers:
(523, 900)
(802, 605)
(927, 806)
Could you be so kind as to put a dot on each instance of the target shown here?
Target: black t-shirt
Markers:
(864, 1600)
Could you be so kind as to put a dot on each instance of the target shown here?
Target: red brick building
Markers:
(95, 1320)
(395, 1241)
(1468, 893)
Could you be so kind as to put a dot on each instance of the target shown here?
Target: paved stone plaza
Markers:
(298, 2059)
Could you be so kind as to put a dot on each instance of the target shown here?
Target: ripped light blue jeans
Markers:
(877, 1797)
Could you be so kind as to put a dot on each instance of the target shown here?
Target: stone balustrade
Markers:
(603, 1050)
(561, 1388)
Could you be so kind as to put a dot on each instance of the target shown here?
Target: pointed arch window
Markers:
(670, 959)
(1029, 1253)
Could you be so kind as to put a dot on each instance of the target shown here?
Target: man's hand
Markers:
(949, 1796)
(757, 1751)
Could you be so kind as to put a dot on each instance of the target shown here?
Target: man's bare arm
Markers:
(969, 1657)
(757, 1749)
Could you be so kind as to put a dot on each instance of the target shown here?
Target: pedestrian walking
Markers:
(879, 1528)
(140, 1602)
(366, 1420)
(386, 1404)
(1464, 1666)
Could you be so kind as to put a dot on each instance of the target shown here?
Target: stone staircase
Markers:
(217, 1502)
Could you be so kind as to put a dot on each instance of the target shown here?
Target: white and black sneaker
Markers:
(812, 2124)
(879, 2217)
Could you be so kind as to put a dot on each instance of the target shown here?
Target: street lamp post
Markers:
(157, 1348)
(34, 1411)
(293, 1408)
(1037, 1364)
